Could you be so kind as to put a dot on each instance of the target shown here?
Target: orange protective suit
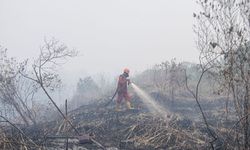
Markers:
(122, 89)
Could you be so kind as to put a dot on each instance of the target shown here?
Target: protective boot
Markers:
(129, 105)
(118, 107)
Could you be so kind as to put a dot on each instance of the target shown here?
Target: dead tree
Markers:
(168, 77)
(44, 73)
(12, 94)
(195, 94)
(222, 30)
(160, 76)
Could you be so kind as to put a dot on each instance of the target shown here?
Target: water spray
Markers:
(151, 104)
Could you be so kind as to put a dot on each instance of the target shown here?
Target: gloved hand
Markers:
(129, 82)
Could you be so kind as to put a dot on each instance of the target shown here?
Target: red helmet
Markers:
(126, 70)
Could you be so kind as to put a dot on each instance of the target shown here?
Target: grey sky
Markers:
(109, 34)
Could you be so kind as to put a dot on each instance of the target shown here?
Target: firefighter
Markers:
(122, 90)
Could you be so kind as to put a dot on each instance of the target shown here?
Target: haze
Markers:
(109, 35)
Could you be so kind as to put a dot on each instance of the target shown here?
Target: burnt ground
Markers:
(139, 129)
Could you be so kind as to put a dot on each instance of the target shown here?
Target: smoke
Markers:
(150, 102)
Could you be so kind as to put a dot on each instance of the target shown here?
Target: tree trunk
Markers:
(246, 126)
(29, 113)
(20, 113)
